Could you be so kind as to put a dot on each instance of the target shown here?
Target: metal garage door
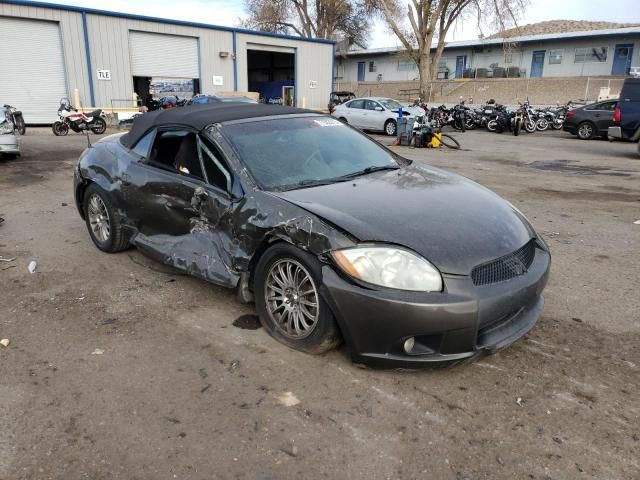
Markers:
(32, 77)
(158, 55)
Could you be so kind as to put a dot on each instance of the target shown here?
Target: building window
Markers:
(372, 66)
(591, 54)
(406, 65)
(442, 63)
(555, 56)
(508, 58)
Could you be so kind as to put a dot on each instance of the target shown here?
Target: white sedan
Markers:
(9, 145)
(374, 113)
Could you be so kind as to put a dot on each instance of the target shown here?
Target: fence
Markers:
(539, 91)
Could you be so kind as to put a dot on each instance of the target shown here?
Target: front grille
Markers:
(505, 268)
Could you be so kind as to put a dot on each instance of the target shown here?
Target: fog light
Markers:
(408, 344)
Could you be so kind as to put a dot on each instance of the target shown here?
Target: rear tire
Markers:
(517, 126)
(391, 128)
(586, 131)
(449, 142)
(542, 124)
(303, 284)
(101, 217)
(530, 126)
(492, 126)
(99, 126)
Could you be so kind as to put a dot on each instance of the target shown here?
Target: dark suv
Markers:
(626, 116)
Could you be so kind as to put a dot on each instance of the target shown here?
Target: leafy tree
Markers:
(329, 19)
(423, 25)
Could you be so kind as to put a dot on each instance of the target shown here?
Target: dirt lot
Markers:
(119, 369)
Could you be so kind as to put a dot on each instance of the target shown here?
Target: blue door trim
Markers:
(537, 63)
(626, 64)
(88, 53)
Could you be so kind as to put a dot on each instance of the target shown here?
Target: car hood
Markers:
(453, 222)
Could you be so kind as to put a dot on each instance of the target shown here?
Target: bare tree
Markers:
(423, 26)
(328, 19)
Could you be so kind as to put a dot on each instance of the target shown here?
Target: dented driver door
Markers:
(186, 218)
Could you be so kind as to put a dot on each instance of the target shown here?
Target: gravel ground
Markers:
(120, 369)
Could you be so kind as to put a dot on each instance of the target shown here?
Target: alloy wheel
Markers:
(99, 218)
(585, 130)
(292, 299)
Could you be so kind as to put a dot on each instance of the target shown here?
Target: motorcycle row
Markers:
(497, 118)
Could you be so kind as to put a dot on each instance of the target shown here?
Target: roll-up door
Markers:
(32, 76)
(160, 55)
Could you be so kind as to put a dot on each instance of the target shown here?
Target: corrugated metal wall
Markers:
(109, 45)
(314, 63)
(72, 44)
(108, 38)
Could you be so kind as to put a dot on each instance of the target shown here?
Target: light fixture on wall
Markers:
(223, 54)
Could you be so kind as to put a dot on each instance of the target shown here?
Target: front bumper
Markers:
(9, 144)
(455, 325)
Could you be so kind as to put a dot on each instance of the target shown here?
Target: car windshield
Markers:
(390, 104)
(289, 153)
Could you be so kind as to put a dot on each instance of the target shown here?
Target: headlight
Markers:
(6, 127)
(389, 267)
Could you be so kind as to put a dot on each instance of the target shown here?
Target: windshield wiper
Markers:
(366, 171)
(308, 182)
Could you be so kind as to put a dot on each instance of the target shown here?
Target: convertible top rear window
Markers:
(284, 153)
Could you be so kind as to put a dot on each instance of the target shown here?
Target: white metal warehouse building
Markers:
(50, 50)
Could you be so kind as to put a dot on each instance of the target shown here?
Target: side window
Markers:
(218, 174)
(371, 105)
(177, 151)
(142, 147)
(356, 104)
(609, 106)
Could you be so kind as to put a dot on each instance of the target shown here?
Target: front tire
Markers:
(530, 126)
(517, 126)
(542, 124)
(60, 129)
(103, 222)
(99, 126)
(288, 301)
(391, 128)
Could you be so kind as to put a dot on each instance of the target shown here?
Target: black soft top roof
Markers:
(199, 116)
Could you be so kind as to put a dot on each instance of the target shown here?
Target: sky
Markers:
(230, 12)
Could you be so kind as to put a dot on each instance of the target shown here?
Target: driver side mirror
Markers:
(379, 109)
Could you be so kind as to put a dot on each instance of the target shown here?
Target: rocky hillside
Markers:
(559, 26)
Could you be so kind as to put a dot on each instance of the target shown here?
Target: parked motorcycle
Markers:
(500, 121)
(71, 118)
(14, 116)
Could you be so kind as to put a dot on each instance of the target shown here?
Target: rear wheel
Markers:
(530, 126)
(103, 222)
(542, 124)
(99, 126)
(20, 126)
(449, 142)
(60, 129)
(288, 301)
(492, 126)
(586, 131)
(390, 128)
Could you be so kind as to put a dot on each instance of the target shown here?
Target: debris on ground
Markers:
(98, 351)
(7, 260)
(5, 342)
(247, 322)
(32, 266)
(288, 399)
(637, 222)
(233, 365)
(519, 401)
(292, 451)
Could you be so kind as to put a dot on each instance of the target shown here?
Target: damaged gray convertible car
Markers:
(332, 235)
